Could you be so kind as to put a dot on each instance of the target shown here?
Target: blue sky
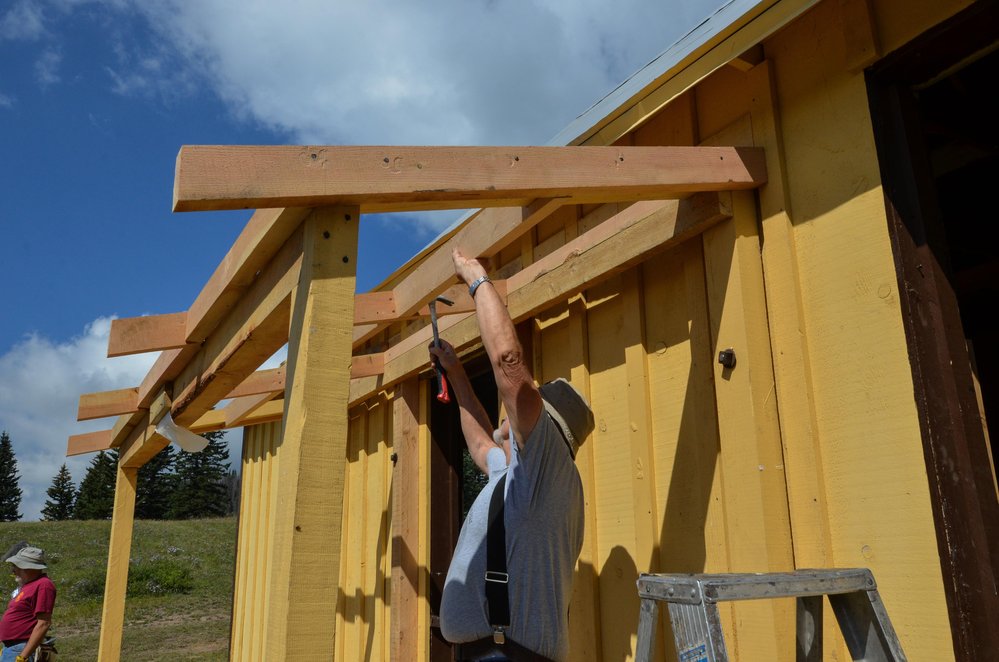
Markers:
(98, 96)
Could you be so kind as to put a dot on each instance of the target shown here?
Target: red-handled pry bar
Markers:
(442, 394)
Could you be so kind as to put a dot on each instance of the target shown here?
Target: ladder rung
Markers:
(695, 588)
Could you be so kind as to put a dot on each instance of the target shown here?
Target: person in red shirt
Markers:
(29, 612)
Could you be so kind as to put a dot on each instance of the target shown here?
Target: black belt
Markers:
(487, 649)
(7, 643)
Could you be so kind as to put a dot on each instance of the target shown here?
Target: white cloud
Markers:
(40, 385)
(403, 72)
(6, 101)
(24, 20)
(47, 68)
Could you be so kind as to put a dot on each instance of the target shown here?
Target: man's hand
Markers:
(447, 356)
(468, 269)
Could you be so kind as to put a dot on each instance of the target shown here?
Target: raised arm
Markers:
(513, 376)
(475, 423)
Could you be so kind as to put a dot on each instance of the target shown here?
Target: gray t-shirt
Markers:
(543, 514)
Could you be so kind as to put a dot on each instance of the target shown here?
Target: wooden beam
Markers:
(367, 365)
(142, 445)
(463, 302)
(249, 335)
(748, 59)
(213, 420)
(107, 403)
(311, 460)
(262, 381)
(90, 442)
(374, 307)
(240, 409)
(119, 552)
(633, 235)
(379, 179)
(264, 234)
(272, 410)
(485, 235)
(150, 333)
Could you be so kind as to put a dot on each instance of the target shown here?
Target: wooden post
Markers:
(119, 550)
(305, 558)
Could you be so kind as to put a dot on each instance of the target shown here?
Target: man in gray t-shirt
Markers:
(534, 447)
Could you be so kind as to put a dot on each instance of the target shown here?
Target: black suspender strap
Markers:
(496, 577)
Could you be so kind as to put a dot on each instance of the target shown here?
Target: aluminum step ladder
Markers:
(693, 612)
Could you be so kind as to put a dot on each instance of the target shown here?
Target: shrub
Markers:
(155, 576)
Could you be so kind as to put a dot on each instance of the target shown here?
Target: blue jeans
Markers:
(10, 654)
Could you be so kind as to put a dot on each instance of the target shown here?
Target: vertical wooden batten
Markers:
(752, 466)
(306, 545)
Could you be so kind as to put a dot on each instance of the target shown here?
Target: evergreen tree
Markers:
(62, 497)
(201, 480)
(95, 500)
(156, 484)
(233, 485)
(10, 492)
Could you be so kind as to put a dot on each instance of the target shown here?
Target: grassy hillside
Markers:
(180, 586)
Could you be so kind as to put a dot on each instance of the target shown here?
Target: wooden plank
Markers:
(406, 635)
(264, 235)
(306, 544)
(262, 381)
(241, 409)
(119, 551)
(807, 500)
(271, 411)
(752, 464)
(367, 365)
(210, 177)
(860, 34)
(374, 307)
(265, 232)
(633, 235)
(107, 403)
(463, 302)
(142, 445)
(89, 442)
(150, 333)
(250, 334)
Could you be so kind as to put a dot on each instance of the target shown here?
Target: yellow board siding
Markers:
(255, 521)
(640, 345)
(866, 427)
(363, 625)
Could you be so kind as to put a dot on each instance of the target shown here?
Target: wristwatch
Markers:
(475, 285)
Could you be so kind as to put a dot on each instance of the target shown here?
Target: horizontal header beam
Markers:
(417, 178)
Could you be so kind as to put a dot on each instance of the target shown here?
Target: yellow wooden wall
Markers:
(806, 454)
(256, 526)
(363, 619)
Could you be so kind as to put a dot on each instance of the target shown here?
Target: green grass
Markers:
(180, 586)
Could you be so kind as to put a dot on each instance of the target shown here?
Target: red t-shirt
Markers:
(37, 597)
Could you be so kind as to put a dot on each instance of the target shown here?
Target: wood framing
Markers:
(640, 230)
(107, 403)
(381, 179)
(305, 546)
(135, 335)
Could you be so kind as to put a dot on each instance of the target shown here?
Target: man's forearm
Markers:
(37, 637)
(475, 423)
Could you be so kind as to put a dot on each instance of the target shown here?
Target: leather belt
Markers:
(486, 649)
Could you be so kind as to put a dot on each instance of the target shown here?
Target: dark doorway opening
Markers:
(454, 484)
(934, 112)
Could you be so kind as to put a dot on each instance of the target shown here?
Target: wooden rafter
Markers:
(135, 335)
(627, 238)
(381, 179)
(242, 312)
(91, 442)
(107, 403)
